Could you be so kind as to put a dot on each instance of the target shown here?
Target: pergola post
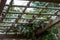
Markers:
(2, 4)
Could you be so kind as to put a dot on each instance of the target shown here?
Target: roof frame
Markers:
(16, 21)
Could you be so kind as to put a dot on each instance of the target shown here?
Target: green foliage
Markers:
(38, 3)
(50, 34)
(28, 29)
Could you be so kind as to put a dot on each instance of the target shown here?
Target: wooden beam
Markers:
(3, 15)
(11, 12)
(41, 7)
(19, 17)
(13, 36)
(2, 4)
(48, 26)
(54, 1)
(52, 23)
(7, 11)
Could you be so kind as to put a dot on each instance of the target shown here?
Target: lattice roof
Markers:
(16, 12)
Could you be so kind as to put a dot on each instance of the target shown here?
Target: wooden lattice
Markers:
(3, 14)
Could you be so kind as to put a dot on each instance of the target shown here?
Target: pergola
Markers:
(10, 25)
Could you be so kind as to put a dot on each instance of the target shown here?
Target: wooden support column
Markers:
(2, 4)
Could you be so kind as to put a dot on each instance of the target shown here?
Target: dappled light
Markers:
(33, 20)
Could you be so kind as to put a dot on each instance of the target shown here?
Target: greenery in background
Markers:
(51, 34)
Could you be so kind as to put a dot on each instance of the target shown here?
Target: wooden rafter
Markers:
(41, 7)
(19, 16)
(11, 12)
(16, 21)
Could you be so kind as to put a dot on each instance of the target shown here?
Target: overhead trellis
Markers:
(18, 16)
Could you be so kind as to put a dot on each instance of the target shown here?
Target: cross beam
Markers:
(40, 7)
(13, 36)
(54, 1)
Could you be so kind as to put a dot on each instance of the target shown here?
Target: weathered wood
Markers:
(2, 4)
